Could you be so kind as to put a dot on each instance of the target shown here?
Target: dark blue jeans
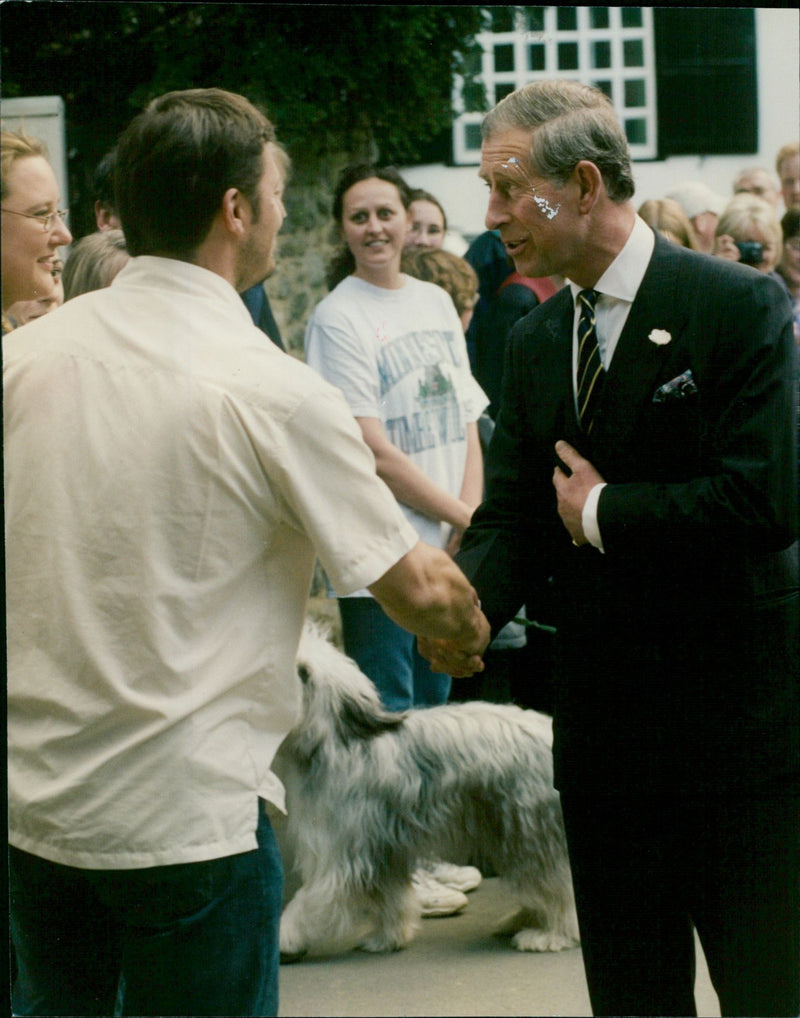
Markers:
(191, 939)
(388, 655)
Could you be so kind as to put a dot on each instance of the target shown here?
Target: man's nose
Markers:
(495, 212)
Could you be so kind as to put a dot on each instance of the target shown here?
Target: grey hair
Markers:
(569, 122)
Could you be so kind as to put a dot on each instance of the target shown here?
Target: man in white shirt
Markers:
(643, 463)
(170, 479)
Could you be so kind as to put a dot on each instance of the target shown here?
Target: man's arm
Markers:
(427, 594)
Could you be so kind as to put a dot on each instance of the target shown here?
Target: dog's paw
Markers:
(392, 937)
(293, 944)
(542, 940)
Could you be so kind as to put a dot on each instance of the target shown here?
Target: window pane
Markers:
(504, 58)
(472, 137)
(635, 94)
(605, 87)
(633, 53)
(536, 58)
(501, 91)
(568, 56)
(599, 17)
(567, 19)
(601, 54)
(631, 17)
(636, 131)
(534, 17)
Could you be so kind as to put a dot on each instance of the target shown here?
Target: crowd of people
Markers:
(478, 499)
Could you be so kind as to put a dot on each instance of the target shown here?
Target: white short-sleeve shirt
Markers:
(170, 476)
(400, 356)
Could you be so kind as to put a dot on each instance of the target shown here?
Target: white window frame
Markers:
(584, 36)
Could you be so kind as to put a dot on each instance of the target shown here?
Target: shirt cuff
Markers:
(591, 528)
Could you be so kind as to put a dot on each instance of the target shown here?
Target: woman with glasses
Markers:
(33, 226)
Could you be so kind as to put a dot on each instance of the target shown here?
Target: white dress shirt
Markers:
(617, 289)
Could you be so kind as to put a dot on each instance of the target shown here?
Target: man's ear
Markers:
(590, 184)
(236, 213)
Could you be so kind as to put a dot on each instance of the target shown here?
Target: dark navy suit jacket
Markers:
(677, 648)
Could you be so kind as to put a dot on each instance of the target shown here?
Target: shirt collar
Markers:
(186, 278)
(624, 275)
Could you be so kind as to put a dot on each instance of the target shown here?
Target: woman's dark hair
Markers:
(343, 263)
(176, 160)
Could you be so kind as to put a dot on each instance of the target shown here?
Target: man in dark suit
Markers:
(663, 507)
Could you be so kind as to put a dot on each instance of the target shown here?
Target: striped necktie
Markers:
(590, 368)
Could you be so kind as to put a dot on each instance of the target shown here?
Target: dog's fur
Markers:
(369, 793)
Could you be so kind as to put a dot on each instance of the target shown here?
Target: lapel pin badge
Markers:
(660, 337)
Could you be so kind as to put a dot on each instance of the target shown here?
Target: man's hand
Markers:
(573, 491)
(448, 657)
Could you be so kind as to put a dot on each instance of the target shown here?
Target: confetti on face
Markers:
(543, 204)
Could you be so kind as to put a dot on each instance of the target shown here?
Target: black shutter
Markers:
(706, 80)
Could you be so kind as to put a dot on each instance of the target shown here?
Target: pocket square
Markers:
(677, 388)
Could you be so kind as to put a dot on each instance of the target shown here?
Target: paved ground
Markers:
(454, 967)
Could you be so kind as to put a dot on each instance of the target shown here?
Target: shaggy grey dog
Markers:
(369, 793)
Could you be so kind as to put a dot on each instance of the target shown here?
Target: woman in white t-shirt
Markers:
(395, 347)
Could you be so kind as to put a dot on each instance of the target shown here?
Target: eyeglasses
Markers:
(47, 219)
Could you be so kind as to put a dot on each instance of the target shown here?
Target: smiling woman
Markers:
(33, 226)
(394, 346)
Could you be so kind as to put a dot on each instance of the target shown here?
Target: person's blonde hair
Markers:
(17, 145)
(743, 212)
(447, 270)
(94, 261)
(667, 217)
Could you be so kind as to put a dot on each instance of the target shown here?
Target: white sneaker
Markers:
(460, 878)
(436, 899)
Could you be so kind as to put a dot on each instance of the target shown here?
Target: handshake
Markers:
(452, 657)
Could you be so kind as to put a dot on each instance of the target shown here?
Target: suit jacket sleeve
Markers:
(506, 552)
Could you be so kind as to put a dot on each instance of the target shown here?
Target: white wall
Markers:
(42, 117)
(463, 195)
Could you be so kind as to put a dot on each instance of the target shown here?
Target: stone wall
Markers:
(304, 249)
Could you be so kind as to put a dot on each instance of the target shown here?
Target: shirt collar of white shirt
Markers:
(624, 275)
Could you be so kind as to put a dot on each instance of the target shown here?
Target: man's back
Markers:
(153, 513)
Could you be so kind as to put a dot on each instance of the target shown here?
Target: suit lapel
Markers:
(556, 370)
(639, 361)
